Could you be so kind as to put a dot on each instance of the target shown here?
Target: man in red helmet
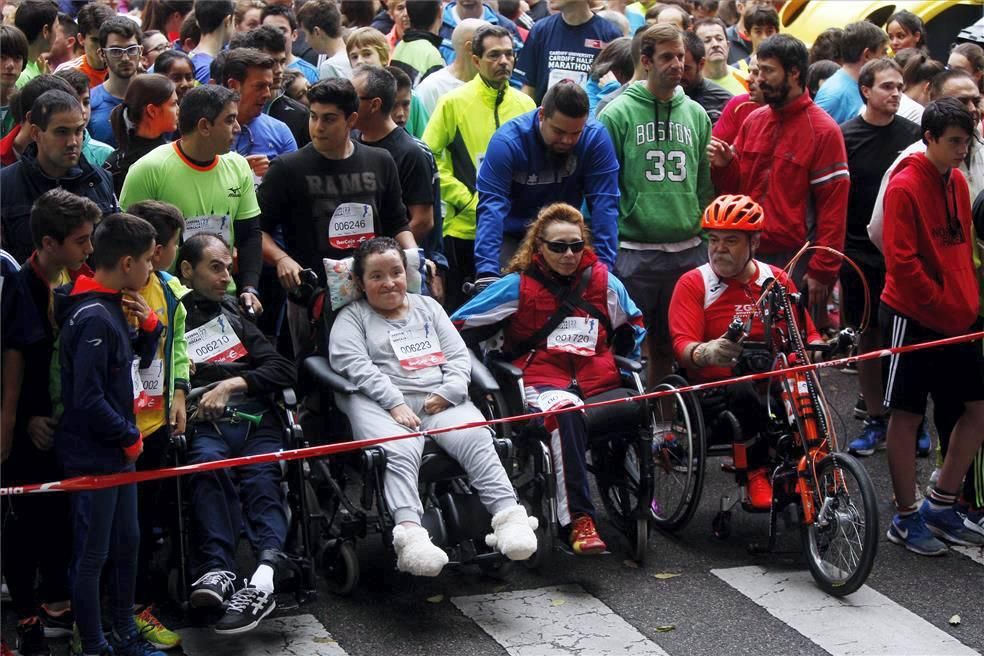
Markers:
(704, 303)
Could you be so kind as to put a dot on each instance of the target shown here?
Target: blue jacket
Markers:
(519, 176)
(23, 182)
(96, 353)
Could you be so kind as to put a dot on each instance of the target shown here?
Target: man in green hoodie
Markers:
(660, 137)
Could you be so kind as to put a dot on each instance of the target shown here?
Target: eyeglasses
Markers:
(560, 247)
(117, 53)
(159, 48)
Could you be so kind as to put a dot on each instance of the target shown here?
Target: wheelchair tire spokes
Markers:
(678, 455)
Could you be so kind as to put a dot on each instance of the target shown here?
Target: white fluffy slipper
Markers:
(415, 553)
(513, 533)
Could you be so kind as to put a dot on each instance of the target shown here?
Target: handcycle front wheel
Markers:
(840, 544)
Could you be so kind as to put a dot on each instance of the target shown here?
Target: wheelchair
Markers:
(826, 492)
(638, 461)
(350, 489)
(295, 571)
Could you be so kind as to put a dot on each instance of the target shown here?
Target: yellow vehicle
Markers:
(806, 19)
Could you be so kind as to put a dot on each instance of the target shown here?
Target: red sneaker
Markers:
(4, 649)
(759, 489)
(584, 537)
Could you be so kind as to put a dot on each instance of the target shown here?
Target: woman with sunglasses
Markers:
(563, 315)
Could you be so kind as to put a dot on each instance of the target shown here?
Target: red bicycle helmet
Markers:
(733, 212)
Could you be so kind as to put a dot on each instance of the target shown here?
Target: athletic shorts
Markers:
(953, 372)
(650, 277)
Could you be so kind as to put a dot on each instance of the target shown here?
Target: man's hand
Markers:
(214, 402)
(718, 352)
(179, 413)
(289, 272)
(135, 304)
(41, 430)
(403, 415)
(818, 293)
(249, 301)
(259, 164)
(435, 403)
(720, 152)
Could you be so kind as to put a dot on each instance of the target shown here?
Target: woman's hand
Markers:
(404, 416)
(435, 403)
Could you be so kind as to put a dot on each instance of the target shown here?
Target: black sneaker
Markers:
(30, 638)
(213, 589)
(245, 611)
(861, 409)
(57, 625)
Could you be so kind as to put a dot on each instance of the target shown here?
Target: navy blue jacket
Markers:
(96, 352)
(23, 182)
(519, 176)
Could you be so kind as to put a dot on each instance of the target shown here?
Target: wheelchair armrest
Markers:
(625, 364)
(481, 377)
(507, 369)
(198, 392)
(317, 368)
(288, 396)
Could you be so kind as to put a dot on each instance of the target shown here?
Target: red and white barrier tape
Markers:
(98, 482)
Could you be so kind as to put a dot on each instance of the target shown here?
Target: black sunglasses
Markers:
(561, 247)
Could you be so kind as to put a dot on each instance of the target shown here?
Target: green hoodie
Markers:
(665, 177)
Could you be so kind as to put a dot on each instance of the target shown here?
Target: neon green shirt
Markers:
(31, 71)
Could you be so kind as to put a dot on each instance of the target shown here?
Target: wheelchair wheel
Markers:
(492, 405)
(678, 454)
(620, 472)
(840, 544)
(340, 567)
(544, 533)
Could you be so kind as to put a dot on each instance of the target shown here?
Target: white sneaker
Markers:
(513, 533)
(415, 553)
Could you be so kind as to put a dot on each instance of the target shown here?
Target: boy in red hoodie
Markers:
(931, 291)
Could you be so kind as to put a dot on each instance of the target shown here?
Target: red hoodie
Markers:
(928, 247)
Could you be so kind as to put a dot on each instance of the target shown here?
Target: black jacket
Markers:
(23, 182)
(294, 115)
(711, 96)
(264, 370)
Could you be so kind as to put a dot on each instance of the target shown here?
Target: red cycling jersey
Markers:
(704, 305)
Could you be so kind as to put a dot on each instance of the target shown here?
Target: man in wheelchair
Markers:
(563, 318)
(241, 369)
(704, 304)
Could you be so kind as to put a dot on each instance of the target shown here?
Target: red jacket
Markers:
(536, 305)
(7, 153)
(930, 275)
(793, 162)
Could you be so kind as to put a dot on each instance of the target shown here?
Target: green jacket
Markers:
(665, 176)
(458, 133)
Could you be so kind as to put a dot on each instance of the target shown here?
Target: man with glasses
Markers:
(459, 133)
(119, 46)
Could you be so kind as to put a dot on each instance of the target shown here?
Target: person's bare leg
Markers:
(870, 374)
(901, 440)
(965, 440)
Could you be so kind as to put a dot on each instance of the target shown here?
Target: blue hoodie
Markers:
(519, 176)
(96, 352)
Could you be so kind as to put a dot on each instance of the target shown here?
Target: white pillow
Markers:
(342, 289)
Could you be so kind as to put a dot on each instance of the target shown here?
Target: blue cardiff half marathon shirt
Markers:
(556, 51)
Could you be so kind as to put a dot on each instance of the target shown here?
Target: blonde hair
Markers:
(555, 213)
(368, 37)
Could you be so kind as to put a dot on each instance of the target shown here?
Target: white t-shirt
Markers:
(434, 86)
(335, 66)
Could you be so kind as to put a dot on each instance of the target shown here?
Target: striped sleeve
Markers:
(495, 304)
(829, 173)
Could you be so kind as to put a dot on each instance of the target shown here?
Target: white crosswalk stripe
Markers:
(555, 620)
(864, 623)
(974, 553)
(298, 635)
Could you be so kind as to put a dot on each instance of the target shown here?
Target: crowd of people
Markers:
(585, 177)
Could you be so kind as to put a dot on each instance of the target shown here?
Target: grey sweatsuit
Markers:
(360, 350)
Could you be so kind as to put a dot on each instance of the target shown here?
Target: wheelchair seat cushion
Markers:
(615, 418)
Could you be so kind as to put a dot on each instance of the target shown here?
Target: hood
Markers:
(450, 18)
(412, 35)
(638, 91)
(173, 284)
(926, 170)
(920, 163)
(69, 298)
(80, 172)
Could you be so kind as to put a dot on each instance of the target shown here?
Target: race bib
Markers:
(557, 399)
(215, 342)
(559, 75)
(417, 347)
(219, 225)
(139, 396)
(351, 224)
(575, 335)
(152, 385)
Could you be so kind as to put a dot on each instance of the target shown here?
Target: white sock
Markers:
(263, 579)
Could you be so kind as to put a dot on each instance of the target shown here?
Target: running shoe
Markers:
(585, 540)
(947, 524)
(910, 531)
(759, 489)
(151, 630)
(133, 645)
(872, 438)
(212, 589)
(57, 624)
(973, 518)
(246, 610)
(30, 638)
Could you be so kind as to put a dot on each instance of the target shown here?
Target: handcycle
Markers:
(829, 492)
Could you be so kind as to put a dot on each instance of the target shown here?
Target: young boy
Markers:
(165, 383)
(36, 536)
(931, 291)
(100, 387)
